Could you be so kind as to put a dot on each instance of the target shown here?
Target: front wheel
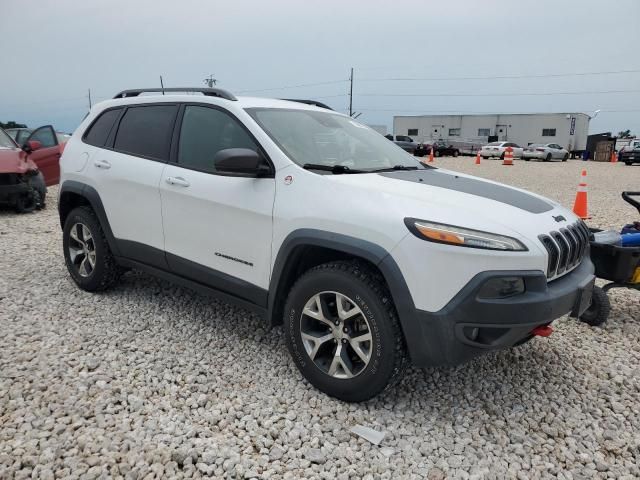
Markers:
(456, 153)
(342, 331)
(548, 158)
(566, 157)
(598, 311)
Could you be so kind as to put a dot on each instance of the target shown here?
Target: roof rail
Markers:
(309, 102)
(209, 92)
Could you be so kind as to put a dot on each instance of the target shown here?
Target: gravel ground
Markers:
(150, 380)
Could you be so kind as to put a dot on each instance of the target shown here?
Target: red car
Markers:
(26, 171)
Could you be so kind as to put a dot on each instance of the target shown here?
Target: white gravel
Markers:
(153, 381)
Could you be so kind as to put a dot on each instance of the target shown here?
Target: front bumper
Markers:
(469, 326)
(534, 155)
(8, 192)
(630, 157)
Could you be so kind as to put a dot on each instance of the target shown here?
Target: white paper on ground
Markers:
(368, 434)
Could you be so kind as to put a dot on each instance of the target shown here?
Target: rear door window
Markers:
(146, 131)
(99, 131)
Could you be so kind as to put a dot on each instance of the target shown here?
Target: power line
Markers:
(492, 94)
(496, 77)
(294, 86)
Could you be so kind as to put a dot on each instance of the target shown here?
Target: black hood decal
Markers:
(475, 187)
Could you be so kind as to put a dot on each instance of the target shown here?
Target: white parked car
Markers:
(368, 258)
(497, 149)
(545, 152)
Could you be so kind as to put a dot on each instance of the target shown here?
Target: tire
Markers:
(360, 288)
(628, 164)
(566, 157)
(27, 202)
(456, 153)
(502, 156)
(548, 158)
(437, 154)
(598, 311)
(104, 272)
(37, 182)
(525, 159)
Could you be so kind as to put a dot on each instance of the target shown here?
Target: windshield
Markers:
(309, 137)
(5, 140)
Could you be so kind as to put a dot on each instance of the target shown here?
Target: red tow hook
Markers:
(542, 331)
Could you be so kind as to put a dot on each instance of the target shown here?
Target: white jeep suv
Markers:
(369, 258)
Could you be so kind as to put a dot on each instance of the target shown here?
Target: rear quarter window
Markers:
(100, 129)
(146, 131)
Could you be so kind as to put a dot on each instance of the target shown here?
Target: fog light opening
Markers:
(503, 287)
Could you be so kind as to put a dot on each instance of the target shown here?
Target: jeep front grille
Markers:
(565, 248)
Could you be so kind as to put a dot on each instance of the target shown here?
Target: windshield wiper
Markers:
(395, 167)
(335, 169)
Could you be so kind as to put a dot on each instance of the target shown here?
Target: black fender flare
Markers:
(92, 196)
(285, 265)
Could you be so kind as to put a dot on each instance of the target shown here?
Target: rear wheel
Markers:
(87, 253)
(548, 158)
(456, 153)
(342, 331)
(437, 153)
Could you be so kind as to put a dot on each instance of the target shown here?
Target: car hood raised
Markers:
(14, 160)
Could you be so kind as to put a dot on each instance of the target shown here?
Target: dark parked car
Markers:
(440, 149)
(404, 142)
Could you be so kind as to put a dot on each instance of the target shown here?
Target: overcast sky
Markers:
(53, 51)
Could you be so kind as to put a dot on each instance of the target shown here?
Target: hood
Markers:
(14, 160)
(457, 199)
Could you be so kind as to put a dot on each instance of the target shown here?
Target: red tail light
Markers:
(539, 149)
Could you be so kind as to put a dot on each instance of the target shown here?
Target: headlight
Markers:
(462, 237)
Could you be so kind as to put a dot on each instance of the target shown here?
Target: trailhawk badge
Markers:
(288, 180)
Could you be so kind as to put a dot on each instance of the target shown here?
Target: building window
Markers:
(484, 132)
(548, 132)
(413, 132)
(454, 132)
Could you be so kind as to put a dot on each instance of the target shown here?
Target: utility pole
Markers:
(89, 91)
(351, 94)
(210, 81)
(161, 84)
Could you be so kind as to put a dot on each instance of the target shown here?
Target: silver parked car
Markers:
(545, 152)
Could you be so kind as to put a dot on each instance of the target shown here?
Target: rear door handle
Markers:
(102, 164)
(179, 181)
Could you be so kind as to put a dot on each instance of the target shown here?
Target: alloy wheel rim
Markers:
(336, 335)
(82, 249)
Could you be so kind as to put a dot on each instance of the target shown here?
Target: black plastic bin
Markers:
(615, 263)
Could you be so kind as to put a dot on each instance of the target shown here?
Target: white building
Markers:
(567, 129)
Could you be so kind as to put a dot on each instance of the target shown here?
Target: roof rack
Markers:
(209, 92)
(309, 102)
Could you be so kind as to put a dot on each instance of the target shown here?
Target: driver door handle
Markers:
(102, 164)
(179, 181)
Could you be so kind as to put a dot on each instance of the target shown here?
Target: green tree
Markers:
(12, 124)
(624, 134)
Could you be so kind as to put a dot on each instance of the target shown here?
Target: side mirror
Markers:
(240, 161)
(32, 146)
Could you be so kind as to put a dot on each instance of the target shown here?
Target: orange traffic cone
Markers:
(508, 157)
(478, 158)
(431, 155)
(580, 206)
(614, 158)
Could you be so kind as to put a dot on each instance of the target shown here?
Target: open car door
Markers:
(45, 152)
